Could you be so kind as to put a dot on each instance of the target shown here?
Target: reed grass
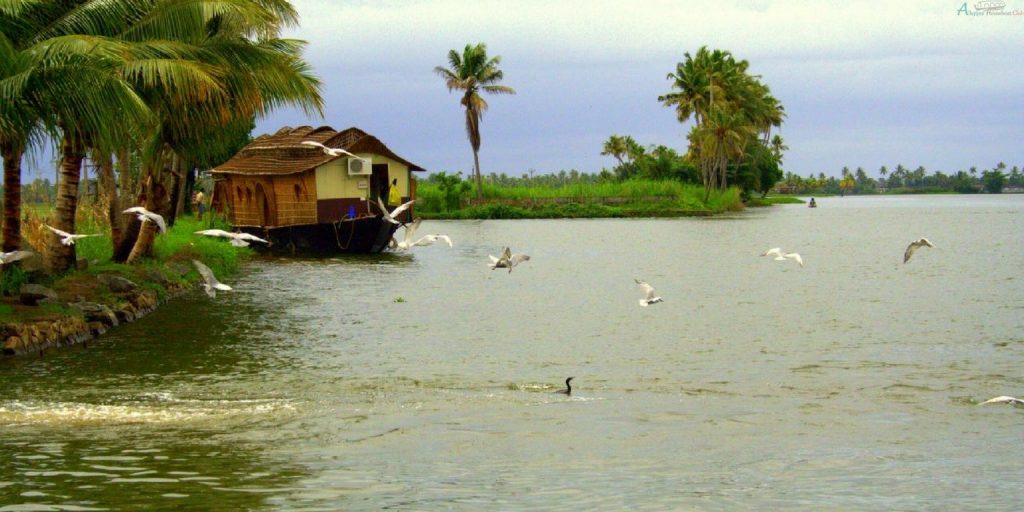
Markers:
(180, 243)
(643, 198)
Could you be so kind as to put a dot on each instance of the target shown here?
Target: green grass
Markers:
(770, 200)
(180, 243)
(643, 198)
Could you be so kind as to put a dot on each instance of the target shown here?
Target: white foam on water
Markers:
(165, 409)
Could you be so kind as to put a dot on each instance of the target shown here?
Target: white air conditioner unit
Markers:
(360, 167)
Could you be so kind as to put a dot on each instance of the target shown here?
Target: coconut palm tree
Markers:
(473, 72)
(253, 77)
(778, 146)
(615, 147)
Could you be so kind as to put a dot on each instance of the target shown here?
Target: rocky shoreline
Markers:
(79, 320)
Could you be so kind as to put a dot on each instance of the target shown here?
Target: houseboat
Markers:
(314, 190)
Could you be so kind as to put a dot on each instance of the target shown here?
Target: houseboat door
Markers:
(379, 182)
(263, 206)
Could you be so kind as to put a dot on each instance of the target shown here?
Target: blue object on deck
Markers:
(351, 211)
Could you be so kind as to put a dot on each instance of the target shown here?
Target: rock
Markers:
(97, 328)
(157, 277)
(117, 284)
(31, 294)
(125, 313)
(94, 312)
(11, 345)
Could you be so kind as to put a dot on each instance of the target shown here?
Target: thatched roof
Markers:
(283, 152)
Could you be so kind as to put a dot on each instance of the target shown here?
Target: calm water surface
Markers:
(425, 381)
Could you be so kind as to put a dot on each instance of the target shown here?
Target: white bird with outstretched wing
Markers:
(410, 230)
(145, 215)
(648, 291)
(11, 257)
(329, 151)
(920, 242)
(391, 216)
(210, 282)
(65, 237)
(237, 239)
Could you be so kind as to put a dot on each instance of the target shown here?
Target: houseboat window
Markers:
(238, 194)
(248, 195)
(298, 192)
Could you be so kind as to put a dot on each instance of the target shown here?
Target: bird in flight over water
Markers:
(507, 260)
(920, 242)
(1004, 400)
(210, 283)
(648, 292)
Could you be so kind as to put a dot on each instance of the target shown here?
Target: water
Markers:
(425, 381)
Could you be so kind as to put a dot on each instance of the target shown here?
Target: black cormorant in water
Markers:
(568, 387)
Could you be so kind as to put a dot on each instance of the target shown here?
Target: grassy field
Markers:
(631, 198)
(770, 200)
(172, 255)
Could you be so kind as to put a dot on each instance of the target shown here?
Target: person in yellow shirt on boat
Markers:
(394, 197)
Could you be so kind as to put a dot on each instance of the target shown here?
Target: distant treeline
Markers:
(906, 181)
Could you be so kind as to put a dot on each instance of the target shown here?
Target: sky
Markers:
(929, 83)
(864, 84)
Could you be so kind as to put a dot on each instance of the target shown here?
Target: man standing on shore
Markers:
(199, 201)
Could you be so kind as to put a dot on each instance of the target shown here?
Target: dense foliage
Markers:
(902, 180)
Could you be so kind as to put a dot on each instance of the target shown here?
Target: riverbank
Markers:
(40, 312)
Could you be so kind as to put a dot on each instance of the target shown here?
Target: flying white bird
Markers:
(237, 239)
(920, 242)
(1003, 400)
(781, 256)
(210, 283)
(649, 297)
(407, 242)
(65, 237)
(145, 215)
(329, 151)
(390, 216)
(11, 257)
(792, 256)
(507, 260)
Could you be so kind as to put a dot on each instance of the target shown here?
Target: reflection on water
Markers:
(424, 380)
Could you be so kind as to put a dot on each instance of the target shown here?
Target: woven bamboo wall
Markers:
(290, 200)
(296, 199)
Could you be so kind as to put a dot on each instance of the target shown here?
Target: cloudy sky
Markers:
(863, 83)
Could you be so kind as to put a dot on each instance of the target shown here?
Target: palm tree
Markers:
(721, 140)
(253, 77)
(615, 147)
(778, 147)
(151, 75)
(471, 73)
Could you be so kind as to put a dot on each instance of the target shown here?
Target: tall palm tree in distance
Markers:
(471, 73)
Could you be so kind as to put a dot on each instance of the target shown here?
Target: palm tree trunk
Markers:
(108, 193)
(12, 154)
(154, 200)
(61, 257)
(479, 183)
(144, 244)
(181, 188)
